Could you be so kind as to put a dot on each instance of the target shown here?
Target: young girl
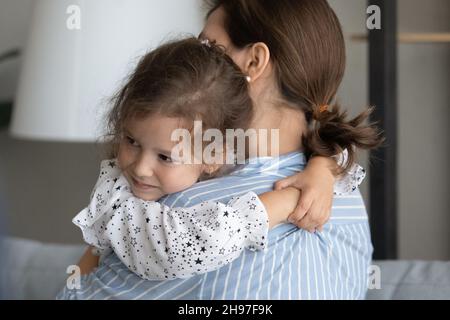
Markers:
(172, 87)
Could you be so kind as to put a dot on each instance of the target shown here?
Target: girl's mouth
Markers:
(141, 186)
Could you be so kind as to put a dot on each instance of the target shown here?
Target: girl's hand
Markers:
(88, 261)
(316, 184)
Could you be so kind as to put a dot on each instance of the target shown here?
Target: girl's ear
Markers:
(257, 60)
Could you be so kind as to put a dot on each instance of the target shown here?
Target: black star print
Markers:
(112, 164)
(118, 188)
(147, 219)
(225, 214)
(115, 180)
(198, 261)
(114, 207)
(188, 244)
(197, 237)
(203, 249)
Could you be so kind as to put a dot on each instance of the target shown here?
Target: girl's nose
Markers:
(143, 168)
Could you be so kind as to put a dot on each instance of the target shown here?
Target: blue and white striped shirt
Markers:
(332, 264)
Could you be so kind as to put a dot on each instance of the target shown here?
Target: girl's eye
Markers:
(131, 141)
(165, 158)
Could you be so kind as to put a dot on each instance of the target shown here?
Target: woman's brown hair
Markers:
(307, 50)
(186, 79)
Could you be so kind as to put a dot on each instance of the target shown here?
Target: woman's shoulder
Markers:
(257, 175)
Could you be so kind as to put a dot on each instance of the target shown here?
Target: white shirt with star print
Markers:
(158, 242)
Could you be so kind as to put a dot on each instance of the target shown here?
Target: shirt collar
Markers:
(271, 164)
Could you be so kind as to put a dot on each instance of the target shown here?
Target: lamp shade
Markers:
(79, 53)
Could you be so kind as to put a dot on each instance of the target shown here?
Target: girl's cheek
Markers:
(124, 156)
(177, 179)
(169, 180)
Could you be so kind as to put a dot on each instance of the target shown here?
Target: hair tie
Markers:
(318, 111)
(323, 108)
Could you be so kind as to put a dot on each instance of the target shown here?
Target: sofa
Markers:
(34, 270)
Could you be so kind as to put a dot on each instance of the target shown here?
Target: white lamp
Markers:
(79, 52)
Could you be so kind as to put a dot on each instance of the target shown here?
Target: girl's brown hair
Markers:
(186, 79)
(307, 50)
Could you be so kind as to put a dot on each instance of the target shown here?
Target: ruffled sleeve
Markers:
(350, 180)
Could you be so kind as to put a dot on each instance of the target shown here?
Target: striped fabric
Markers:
(332, 264)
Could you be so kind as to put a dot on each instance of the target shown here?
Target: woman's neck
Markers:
(272, 112)
(290, 123)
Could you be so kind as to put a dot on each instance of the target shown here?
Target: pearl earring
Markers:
(248, 78)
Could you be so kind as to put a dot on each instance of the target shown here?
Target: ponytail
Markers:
(330, 133)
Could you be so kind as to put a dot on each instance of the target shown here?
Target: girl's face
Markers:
(145, 158)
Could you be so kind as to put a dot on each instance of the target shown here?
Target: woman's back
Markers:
(331, 264)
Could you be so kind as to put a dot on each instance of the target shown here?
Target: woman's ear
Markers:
(258, 58)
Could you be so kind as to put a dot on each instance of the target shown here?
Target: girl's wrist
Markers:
(320, 163)
(280, 204)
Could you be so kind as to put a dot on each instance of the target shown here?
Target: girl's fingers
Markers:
(286, 182)
(303, 206)
(321, 215)
(311, 214)
(314, 218)
(306, 223)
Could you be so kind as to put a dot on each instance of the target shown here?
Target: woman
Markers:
(293, 51)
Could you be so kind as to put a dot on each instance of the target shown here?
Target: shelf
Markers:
(405, 37)
(5, 113)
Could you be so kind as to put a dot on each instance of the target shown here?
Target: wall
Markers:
(423, 114)
(424, 148)
(45, 184)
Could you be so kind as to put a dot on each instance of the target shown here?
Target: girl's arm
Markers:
(280, 204)
(319, 183)
(158, 242)
(271, 200)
